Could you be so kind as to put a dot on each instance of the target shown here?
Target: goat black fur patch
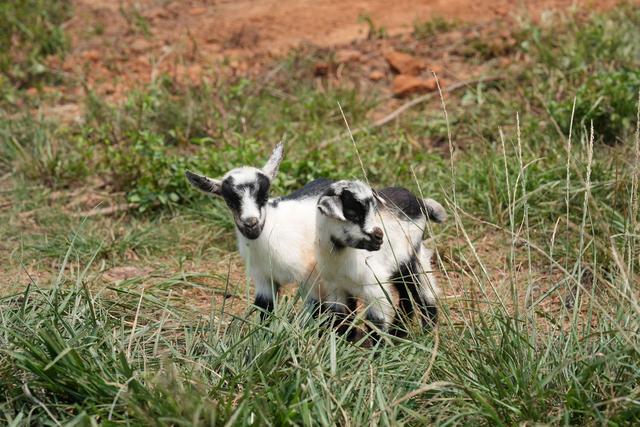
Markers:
(407, 284)
(313, 188)
(404, 200)
(265, 303)
(337, 243)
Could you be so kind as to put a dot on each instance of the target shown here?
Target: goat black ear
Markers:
(435, 211)
(208, 186)
(331, 207)
(273, 164)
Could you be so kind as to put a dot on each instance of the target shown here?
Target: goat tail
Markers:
(434, 211)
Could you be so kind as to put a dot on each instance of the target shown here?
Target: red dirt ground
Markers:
(117, 45)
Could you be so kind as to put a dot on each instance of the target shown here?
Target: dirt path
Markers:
(280, 25)
(120, 44)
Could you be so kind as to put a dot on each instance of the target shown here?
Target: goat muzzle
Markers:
(251, 222)
(377, 234)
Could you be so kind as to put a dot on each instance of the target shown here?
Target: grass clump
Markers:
(608, 99)
(42, 152)
(74, 353)
(433, 26)
(30, 30)
(374, 32)
(146, 144)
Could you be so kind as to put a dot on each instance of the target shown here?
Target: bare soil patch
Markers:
(120, 45)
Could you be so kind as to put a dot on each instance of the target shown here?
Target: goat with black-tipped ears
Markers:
(369, 248)
(275, 236)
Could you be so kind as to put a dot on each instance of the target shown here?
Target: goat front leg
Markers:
(266, 293)
(342, 308)
(311, 293)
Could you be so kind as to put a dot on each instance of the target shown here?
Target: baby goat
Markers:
(275, 236)
(356, 261)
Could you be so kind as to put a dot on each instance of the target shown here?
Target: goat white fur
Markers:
(283, 253)
(275, 236)
(355, 261)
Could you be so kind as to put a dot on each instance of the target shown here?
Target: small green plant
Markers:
(608, 99)
(98, 29)
(433, 26)
(374, 32)
(146, 170)
(135, 19)
(602, 42)
(30, 30)
(179, 114)
(40, 152)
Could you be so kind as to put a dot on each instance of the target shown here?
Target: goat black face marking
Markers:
(262, 190)
(231, 196)
(358, 212)
(353, 209)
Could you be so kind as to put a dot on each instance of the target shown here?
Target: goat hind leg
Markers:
(427, 288)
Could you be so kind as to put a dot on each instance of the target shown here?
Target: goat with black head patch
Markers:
(369, 247)
(275, 236)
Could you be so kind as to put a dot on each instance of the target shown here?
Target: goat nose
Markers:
(377, 233)
(251, 222)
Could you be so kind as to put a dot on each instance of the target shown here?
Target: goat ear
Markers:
(435, 211)
(209, 186)
(271, 167)
(330, 207)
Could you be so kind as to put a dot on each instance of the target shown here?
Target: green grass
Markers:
(75, 354)
(539, 261)
(432, 27)
(30, 31)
